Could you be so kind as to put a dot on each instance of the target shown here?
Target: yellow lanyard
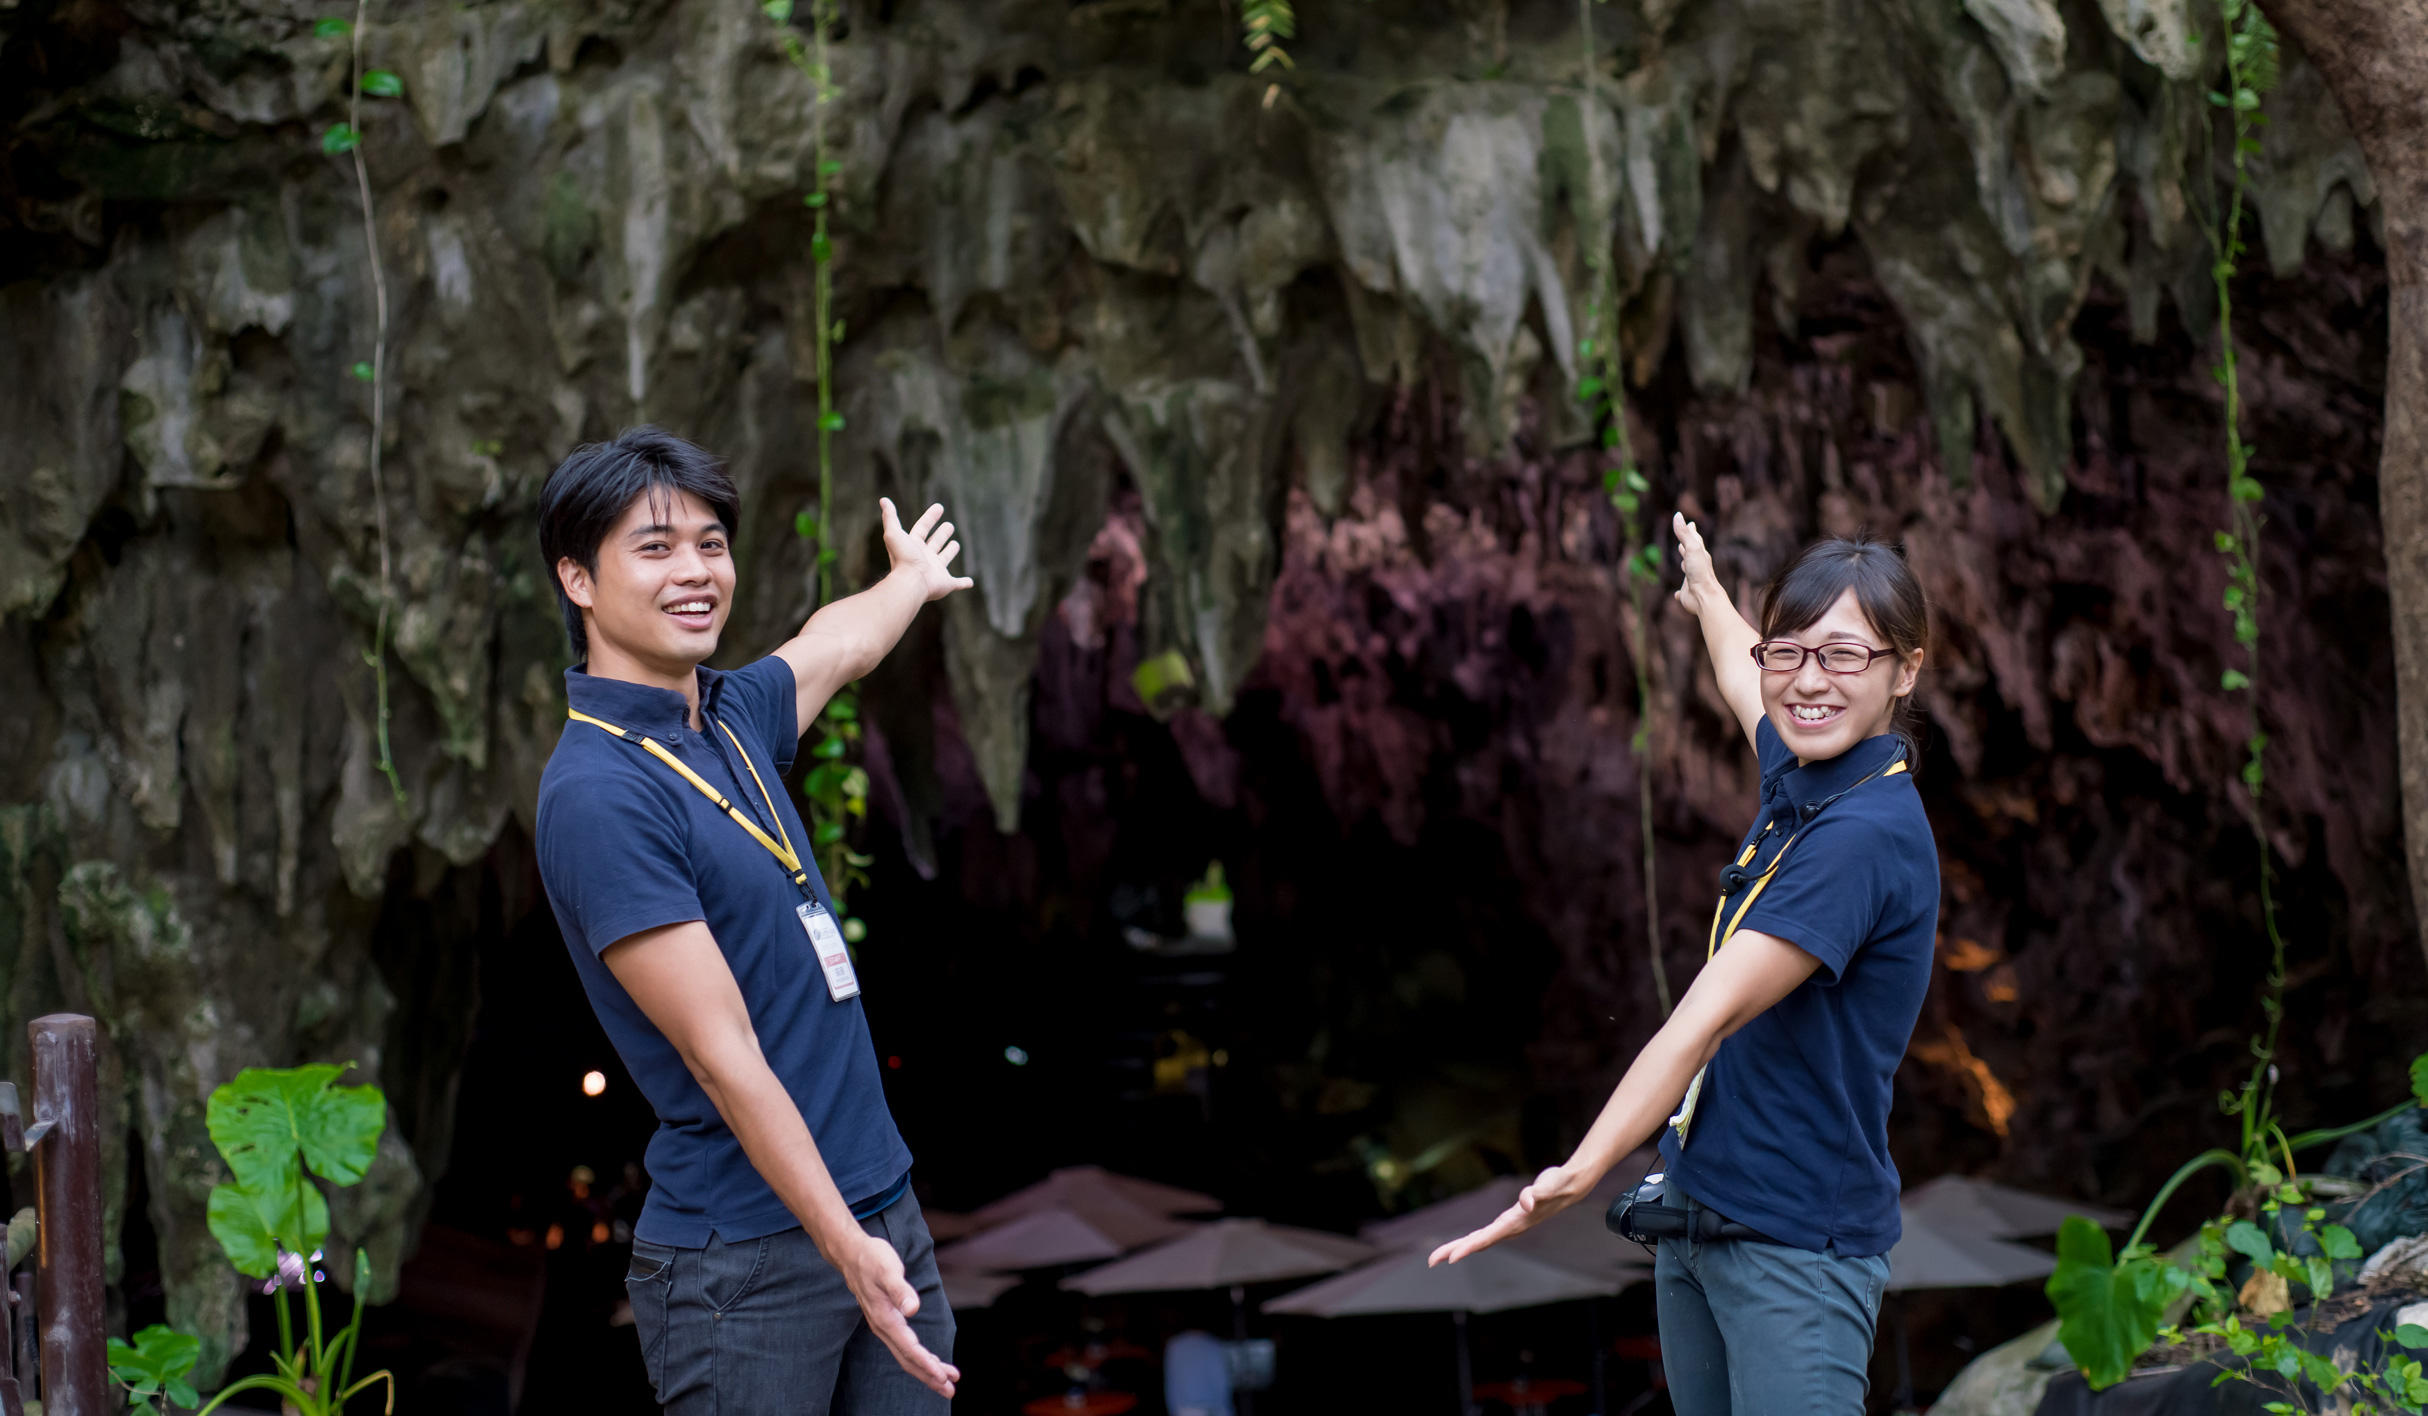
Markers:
(1694, 1089)
(784, 853)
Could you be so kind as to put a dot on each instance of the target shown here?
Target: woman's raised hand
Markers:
(1702, 585)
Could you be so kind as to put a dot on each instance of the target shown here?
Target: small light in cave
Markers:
(1017, 1056)
(594, 1083)
(1222, 1057)
(893, 1064)
(556, 1237)
(598, 1232)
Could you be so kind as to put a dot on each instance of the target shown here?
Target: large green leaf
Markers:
(158, 1361)
(252, 1226)
(267, 1116)
(2108, 1312)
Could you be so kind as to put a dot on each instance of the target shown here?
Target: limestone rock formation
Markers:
(1078, 250)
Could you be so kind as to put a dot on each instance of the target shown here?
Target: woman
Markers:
(1828, 915)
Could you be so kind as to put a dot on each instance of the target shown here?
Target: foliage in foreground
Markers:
(277, 1129)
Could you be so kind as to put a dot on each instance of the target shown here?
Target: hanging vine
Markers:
(1263, 25)
(2251, 69)
(1601, 387)
(346, 139)
(835, 788)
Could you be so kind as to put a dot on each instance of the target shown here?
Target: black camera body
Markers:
(1643, 1215)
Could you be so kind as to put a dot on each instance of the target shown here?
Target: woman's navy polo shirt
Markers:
(1790, 1135)
(626, 845)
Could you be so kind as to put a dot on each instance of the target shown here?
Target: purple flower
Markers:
(291, 1269)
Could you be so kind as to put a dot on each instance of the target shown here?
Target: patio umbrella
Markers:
(1960, 1204)
(1084, 1188)
(1929, 1257)
(965, 1289)
(946, 1224)
(1228, 1253)
(1046, 1238)
(1501, 1277)
(1943, 1247)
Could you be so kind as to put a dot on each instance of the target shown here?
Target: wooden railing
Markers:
(55, 1310)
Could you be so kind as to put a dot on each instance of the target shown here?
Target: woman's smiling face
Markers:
(1819, 715)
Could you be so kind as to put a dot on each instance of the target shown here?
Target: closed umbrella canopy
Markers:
(1928, 1257)
(1083, 1188)
(1049, 1237)
(1225, 1254)
(1500, 1277)
(1960, 1204)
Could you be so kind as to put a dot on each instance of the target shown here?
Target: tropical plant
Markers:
(1210, 887)
(2113, 1307)
(277, 1129)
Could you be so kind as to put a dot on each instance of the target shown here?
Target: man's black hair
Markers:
(588, 493)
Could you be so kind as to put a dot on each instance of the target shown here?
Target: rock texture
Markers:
(1919, 265)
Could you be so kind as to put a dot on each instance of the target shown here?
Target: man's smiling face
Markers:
(663, 586)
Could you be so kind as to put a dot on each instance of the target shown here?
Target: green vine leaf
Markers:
(2234, 681)
(2411, 1335)
(383, 83)
(363, 370)
(340, 137)
(331, 27)
(2419, 1079)
(778, 10)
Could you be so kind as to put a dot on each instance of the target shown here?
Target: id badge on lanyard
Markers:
(833, 957)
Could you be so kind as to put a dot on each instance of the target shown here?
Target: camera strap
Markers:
(1733, 876)
(782, 850)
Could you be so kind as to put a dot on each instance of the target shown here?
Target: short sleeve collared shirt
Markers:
(626, 845)
(1790, 1134)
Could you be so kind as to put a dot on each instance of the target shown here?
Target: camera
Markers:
(1642, 1213)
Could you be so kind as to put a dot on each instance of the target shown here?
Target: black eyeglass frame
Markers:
(1803, 653)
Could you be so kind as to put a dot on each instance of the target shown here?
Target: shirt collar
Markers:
(1817, 782)
(661, 713)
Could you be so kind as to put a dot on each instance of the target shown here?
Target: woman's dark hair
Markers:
(587, 494)
(1885, 590)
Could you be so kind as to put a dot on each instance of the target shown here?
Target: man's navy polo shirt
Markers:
(1790, 1135)
(626, 845)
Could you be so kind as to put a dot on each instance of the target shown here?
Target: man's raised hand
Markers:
(925, 551)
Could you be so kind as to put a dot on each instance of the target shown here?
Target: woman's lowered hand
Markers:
(1552, 1191)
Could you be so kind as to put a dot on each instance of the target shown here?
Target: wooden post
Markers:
(66, 1141)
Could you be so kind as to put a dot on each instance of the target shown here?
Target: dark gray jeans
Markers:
(766, 1326)
(1749, 1328)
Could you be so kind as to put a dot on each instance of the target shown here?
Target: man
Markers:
(780, 1263)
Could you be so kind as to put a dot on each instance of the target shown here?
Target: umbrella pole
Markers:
(1593, 1345)
(1466, 1375)
(1243, 1401)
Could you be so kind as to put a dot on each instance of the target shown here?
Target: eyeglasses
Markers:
(1786, 656)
